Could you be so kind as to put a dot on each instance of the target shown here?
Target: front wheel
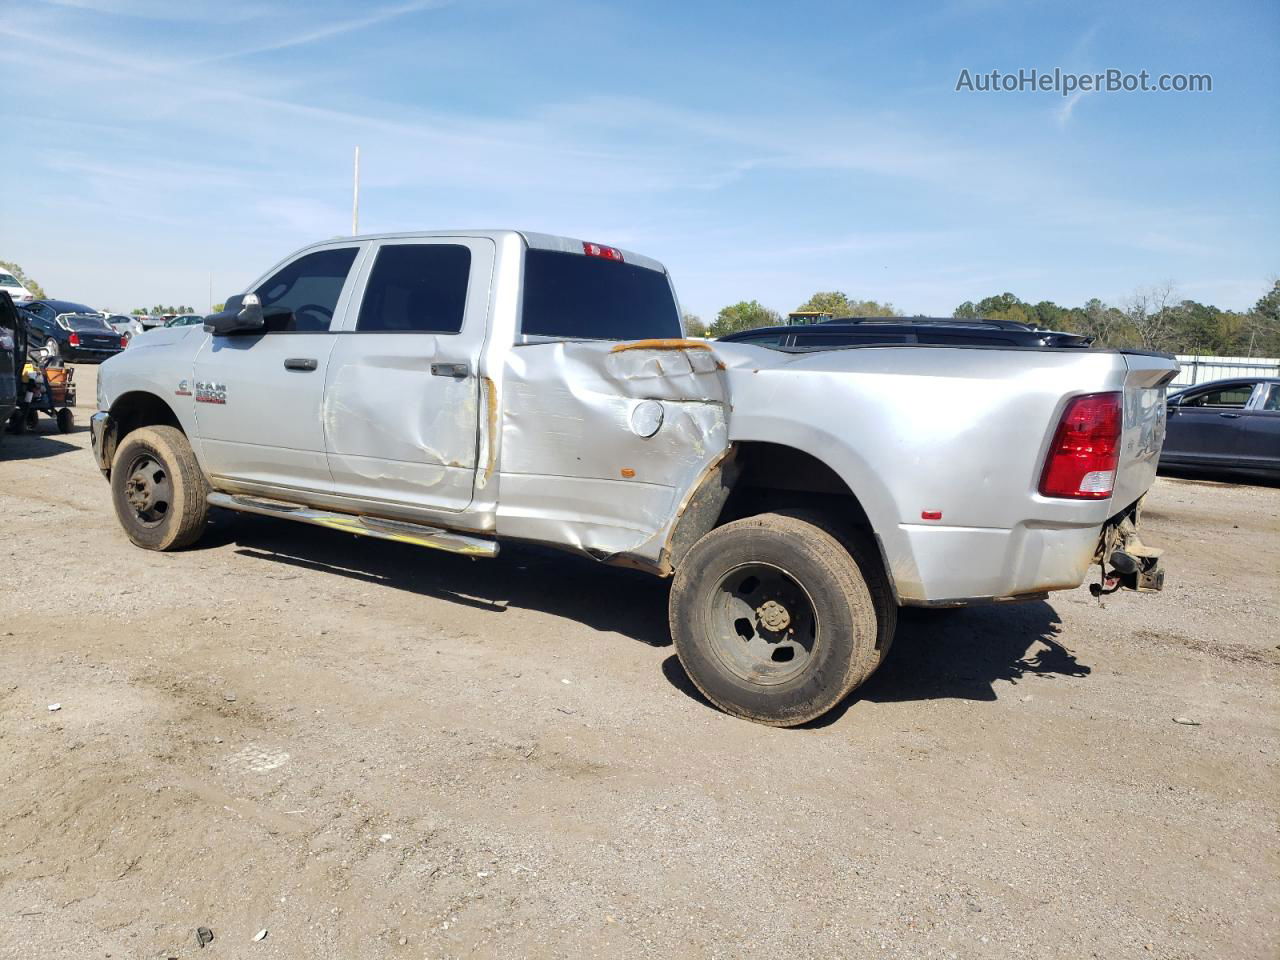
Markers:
(158, 489)
(777, 620)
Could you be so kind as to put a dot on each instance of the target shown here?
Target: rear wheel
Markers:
(777, 620)
(158, 489)
(66, 420)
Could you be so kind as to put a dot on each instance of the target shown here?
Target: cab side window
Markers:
(1273, 398)
(416, 288)
(309, 288)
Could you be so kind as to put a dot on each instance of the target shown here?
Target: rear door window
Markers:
(575, 297)
(309, 287)
(416, 288)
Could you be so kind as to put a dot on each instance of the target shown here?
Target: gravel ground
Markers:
(374, 751)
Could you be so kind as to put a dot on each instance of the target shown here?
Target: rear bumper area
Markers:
(960, 565)
(956, 566)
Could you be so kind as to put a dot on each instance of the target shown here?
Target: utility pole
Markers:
(355, 197)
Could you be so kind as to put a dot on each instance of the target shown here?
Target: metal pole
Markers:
(355, 197)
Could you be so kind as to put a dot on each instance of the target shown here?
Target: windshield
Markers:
(9, 280)
(572, 296)
(87, 324)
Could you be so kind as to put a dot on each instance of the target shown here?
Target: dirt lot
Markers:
(374, 751)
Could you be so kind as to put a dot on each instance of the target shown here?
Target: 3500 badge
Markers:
(211, 392)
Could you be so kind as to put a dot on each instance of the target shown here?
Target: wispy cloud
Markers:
(1064, 110)
(328, 31)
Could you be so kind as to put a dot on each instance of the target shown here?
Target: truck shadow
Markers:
(952, 655)
(937, 654)
(609, 599)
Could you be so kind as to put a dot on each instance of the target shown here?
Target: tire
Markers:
(31, 421)
(159, 492)
(752, 588)
(66, 420)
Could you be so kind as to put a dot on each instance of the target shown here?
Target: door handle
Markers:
(1230, 416)
(305, 364)
(456, 370)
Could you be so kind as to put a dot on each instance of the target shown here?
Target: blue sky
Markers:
(761, 150)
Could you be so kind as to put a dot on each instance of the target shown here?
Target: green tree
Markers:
(20, 275)
(744, 315)
(693, 325)
(839, 304)
(1004, 306)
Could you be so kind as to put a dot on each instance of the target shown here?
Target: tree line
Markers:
(1153, 318)
(159, 311)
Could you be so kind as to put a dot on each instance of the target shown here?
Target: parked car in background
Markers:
(13, 350)
(186, 320)
(125, 325)
(14, 288)
(72, 330)
(150, 322)
(934, 331)
(1226, 425)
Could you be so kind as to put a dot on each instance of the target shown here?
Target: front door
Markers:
(258, 396)
(401, 400)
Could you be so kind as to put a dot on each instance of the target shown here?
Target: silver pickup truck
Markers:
(460, 389)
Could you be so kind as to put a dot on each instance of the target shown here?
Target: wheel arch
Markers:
(762, 476)
(134, 409)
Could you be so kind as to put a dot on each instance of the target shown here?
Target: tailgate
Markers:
(1145, 382)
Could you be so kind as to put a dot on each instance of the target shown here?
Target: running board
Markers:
(414, 533)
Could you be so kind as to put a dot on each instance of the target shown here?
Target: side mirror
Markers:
(242, 314)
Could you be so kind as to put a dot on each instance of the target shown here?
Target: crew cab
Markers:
(459, 390)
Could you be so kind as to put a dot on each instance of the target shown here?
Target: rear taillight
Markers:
(74, 339)
(1081, 464)
(604, 253)
(124, 342)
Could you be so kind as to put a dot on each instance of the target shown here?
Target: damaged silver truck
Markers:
(457, 390)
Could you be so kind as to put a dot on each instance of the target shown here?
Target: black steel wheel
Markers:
(159, 492)
(776, 619)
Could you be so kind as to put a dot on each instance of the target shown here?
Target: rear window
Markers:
(572, 296)
(88, 324)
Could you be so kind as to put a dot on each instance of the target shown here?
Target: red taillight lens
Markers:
(1082, 459)
(605, 253)
(74, 339)
(124, 342)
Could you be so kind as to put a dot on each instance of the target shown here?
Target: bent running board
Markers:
(414, 533)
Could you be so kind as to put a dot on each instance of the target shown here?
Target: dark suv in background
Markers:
(935, 331)
(77, 332)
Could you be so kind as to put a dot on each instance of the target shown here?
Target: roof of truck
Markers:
(539, 241)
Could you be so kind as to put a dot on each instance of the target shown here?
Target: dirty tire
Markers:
(161, 458)
(849, 605)
(861, 545)
(66, 420)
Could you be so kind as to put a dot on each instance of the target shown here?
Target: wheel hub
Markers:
(763, 623)
(773, 616)
(148, 490)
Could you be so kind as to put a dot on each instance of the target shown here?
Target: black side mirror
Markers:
(242, 314)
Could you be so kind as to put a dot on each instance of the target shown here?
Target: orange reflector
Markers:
(628, 473)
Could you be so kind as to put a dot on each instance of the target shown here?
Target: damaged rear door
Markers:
(401, 403)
